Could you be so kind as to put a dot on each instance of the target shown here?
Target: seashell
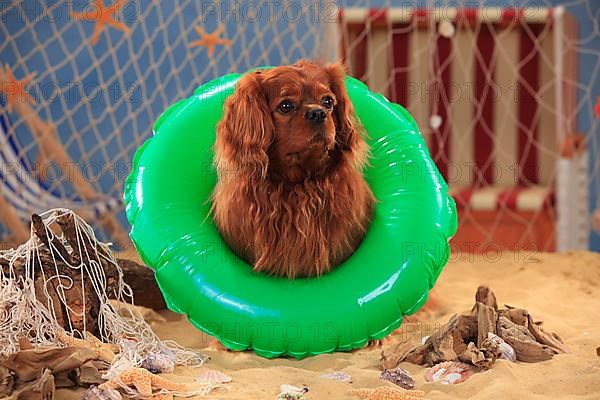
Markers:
(398, 376)
(449, 372)
(213, 376)
(508, 353)
(158, 362)
(95, 393)
(340, 376)
(289, 392)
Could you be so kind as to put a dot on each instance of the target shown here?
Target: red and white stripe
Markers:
(491, 83)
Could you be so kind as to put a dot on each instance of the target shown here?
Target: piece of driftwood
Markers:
(41, 388)
(27, 371)
(37, 372)
(466, 338)
(141, 279)
(482, 356)
(551, 340)
(26, 365)
(53, 256)
(390, 357)
(485, 296)
(25, 344)
(7, 382)
(446, 344)
(522, 341)
(486, 322)
(89, 373)
(518, 316)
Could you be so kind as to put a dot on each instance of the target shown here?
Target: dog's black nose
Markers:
(316, 114)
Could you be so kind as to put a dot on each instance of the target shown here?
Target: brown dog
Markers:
(291, 199)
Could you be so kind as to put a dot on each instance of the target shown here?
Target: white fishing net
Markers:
(45, 289)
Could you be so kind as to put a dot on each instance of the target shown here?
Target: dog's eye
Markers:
(327, 102)
(285, 106)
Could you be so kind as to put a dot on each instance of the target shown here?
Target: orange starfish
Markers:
(597, 108)
(210, 40)
(15, 90)
(388, 393)
(103, 16)
(143, 380)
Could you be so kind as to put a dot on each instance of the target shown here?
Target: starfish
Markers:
(104, 351)
(597, 108)
(388, 393)
(13, 89)
(104, 16)
(143, 380)
(210, 40)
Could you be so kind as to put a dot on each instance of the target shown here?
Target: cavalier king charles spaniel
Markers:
(291, 199)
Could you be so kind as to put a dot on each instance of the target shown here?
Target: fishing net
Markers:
(71, 284)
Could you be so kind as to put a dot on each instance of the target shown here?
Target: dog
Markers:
(291, 199)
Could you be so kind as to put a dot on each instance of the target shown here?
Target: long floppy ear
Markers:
(246, 130)
(348, 129)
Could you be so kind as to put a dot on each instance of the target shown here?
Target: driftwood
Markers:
(446, 344)
(485, 296)
(27, 364)
(42, 388)
(35, 373)
(141, 279)
(53, 256)
(522, 341)
(482, 356)
(7, 382)
(486, 322)
(466, 338)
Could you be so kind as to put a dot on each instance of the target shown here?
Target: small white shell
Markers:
(340, 376)
(508, 353)
(213, 376)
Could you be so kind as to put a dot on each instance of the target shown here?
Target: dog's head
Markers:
(290, 123)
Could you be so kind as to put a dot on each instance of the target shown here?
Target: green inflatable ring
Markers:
(389, 275)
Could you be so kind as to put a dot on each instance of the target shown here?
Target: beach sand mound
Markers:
(562, 290)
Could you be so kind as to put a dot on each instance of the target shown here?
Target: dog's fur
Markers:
(291, 199)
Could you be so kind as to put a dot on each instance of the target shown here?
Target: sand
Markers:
(562, 290)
